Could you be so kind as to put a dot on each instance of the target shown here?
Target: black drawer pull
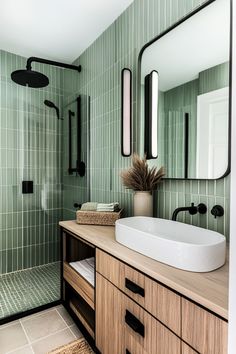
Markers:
(136, 289)
(134, 323)
(127, 351)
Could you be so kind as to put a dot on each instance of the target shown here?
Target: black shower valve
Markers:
(217, 211)
(76, 205)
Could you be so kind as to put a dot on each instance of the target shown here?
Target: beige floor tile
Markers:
(76, 331)
(43, 325)
(37, 314)
(52, 342)
(65, 315)
(12, 337)
(23, 350)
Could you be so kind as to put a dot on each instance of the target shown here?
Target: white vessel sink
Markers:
(176, 244)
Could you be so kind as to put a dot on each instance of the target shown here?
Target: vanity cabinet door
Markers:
(124, 327)
(161, 302)
(204, 331)
(108, 327)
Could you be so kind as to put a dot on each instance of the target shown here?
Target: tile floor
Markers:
(38, 333)
(29, 288)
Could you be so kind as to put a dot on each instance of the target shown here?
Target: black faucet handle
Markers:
(217, 211)
(202, 208)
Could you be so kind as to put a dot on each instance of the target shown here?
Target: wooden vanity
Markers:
(139, 305)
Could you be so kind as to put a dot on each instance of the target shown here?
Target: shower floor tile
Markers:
(28, 289)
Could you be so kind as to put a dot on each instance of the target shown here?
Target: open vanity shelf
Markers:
(78, 290)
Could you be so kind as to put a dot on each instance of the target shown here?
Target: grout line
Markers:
(72, 332)
(36, 315)
(22, 326)
(49, 335)
(21, 347)
(12, 323)
(67, 324)
(62, 317)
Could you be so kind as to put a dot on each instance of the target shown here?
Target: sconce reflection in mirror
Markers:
(151, 114)
(80, 165)
(126, 111)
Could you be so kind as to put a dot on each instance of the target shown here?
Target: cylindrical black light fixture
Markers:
(151, 114)
(126, 112)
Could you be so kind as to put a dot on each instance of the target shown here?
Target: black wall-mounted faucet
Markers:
(193, 209)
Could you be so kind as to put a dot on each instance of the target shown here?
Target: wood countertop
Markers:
(207, 289)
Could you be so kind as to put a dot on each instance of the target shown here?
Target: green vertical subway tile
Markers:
(220, 188)
(25, 132)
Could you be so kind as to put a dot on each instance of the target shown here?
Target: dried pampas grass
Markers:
(140, 177)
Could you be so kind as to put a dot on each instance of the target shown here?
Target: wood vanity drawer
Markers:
(161, 302)
(204, 331)
(130, 328)
(79, 284)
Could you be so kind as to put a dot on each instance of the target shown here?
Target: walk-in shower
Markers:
(30, 151)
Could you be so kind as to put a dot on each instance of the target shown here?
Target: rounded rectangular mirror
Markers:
(192, 60)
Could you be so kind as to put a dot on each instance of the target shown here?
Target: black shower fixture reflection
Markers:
(50, 104)
(36, 79)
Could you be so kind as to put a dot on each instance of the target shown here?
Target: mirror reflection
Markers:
(192, 61)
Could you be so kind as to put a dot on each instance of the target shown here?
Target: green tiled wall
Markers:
(30, 149)
(75, 188)
(102, 63)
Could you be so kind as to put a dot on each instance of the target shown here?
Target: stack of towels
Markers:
(92, 206)
(85, 268)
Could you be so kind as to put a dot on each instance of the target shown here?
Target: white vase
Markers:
(143, 203)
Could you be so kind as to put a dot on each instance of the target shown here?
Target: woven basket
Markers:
(97, 217)
(79, 346)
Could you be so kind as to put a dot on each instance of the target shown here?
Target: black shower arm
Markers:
(51, 62)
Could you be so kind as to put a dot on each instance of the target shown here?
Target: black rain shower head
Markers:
(36, 79)
(50, 104)
(30, 78)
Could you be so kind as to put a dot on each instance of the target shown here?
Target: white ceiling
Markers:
(197, 44)
(55, 29)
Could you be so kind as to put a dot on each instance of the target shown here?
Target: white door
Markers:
(212, 133)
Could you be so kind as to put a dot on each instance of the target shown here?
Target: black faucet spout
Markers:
(192, 209)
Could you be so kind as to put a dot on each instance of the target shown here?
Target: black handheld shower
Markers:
(36, 79)
(50, 104)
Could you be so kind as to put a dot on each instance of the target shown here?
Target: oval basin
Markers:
(177, 244)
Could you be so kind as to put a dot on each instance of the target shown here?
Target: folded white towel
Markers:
(86, 268)
(108, 207)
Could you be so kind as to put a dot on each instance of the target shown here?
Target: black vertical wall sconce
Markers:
(151, 115)
(186, 144)
(126, 111)
(80, 165)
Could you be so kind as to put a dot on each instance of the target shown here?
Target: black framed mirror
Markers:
(193, 62)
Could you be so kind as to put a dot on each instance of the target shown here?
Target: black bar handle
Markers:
(80, 165)
(71, 114)
(134, 323)
(78, 132)
(136, 289)
(127, 351)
